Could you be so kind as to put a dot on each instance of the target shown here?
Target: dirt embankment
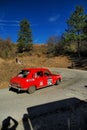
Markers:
(9, 67)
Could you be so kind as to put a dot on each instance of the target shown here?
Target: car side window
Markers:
(40, 73)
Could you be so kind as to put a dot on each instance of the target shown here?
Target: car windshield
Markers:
(47, 73)
(23, 73)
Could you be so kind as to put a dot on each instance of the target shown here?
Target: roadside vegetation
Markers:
(72, 42)
(67, 51)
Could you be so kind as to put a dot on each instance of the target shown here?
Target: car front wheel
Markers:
(57, 82)
(31, 89)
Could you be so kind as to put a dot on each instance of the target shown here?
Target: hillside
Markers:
(9, 67)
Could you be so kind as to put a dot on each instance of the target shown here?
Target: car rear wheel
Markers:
(31, 89)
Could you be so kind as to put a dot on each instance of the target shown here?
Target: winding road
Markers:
(15, 105)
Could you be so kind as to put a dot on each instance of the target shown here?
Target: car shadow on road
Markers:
(9, 124)
(16, 91)
(68, 114)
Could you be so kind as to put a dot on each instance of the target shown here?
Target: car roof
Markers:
(35, 69)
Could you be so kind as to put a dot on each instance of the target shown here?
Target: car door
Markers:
(48, 78)
(40, 79)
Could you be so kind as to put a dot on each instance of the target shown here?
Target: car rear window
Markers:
(23, 73)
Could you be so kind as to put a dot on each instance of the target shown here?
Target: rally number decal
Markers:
(49, 81)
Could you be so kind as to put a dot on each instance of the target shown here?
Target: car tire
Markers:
(31, 89)
(57, 82)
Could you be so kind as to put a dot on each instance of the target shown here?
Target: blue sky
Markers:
(47, 17)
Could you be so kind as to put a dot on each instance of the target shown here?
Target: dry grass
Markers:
(9, 68)
(42, 61)
(36, 58)
(1, 61)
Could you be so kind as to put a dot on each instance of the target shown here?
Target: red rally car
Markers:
(31, 79)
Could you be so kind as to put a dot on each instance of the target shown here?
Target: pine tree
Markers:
(25, 37)
(76, 24)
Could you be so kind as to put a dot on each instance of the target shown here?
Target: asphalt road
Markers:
(15, 105)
